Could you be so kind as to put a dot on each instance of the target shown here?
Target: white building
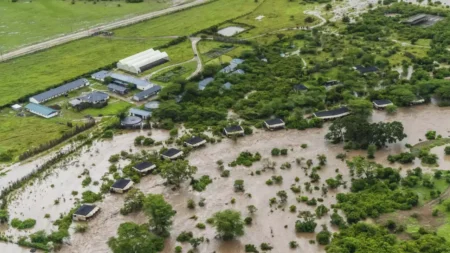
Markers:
(142, 61)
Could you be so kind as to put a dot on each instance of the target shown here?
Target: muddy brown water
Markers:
(270, 224)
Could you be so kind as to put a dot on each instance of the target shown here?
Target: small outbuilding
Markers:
(41, 110)
(131, 121)
(331, 83)
(140, 113)
(418, 101)
(112, 87)
(333, 114)
(300, 87)
(233, 130)
(195, 142)
(382, 103)
(85, 212)
(273, 124)
(152, 91)
(365, 70)
(144, 167)
(121, 186)
(203, 83)
(227, 85)
(172, 154)
(16, 107)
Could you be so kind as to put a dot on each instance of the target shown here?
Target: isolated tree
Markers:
(324, 236)
(135, 238)
(306, 224)
(229, 224)
(4, 216)
(360, 107)
(252, 209)
(134, 201)
(239, 185)
(160, 213)
(322, 159)
(178, 171)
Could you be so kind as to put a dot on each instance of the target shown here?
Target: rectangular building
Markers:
(41, 110)
(147, 93)
(136, 82)
(59, 91)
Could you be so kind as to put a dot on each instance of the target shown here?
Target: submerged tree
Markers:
(160, 213)
(228, 224)
(135, 238)
(178, 171)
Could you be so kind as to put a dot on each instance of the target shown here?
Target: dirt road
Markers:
(74, 36)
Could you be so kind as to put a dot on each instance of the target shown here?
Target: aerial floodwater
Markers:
(225, 126)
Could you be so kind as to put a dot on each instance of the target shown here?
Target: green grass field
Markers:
(38, 20)
(277, 15)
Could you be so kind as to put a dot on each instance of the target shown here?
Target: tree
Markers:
(135, 238)
(371, 151)
(322, 159)
(324, 236)
(134, 201)
(252, 209)
(239, 185)
(228, 224)
(178, 171)
(360, 107)
(160, 213)
(306, 224)
(4, 216)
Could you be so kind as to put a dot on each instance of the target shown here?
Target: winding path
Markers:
(86, 33)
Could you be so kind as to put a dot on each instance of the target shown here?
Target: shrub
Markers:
(293, 244)
(275, 152)
(283, 151)
(25, 224)
(185, 236)
(81, 228)
(293, 209)
(266, 246)
(200, 184)
(200, 226)
(239, 185)
(304, 145)
(86, 181)
(248, 220)
(251, 248)
(225, 173)
(430, 135)
(391, 109)
(108, 134)
(447, 150)
(178, 249)
(191, 204)
(90, 197)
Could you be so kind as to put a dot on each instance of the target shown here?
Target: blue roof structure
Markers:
(116, 87)
(233, 64)
(40, 109)
(203, 83)
(130, 79)
(147, 93)
(58, 91)
(238, 71)
(152, 105)
(227, 85)
(101, 75)
(139, 112)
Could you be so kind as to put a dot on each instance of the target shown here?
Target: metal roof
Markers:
(152, 105)
(334, 112)
(148, 92)
(60, 90)
(233, 64)
(274, 122)
(227, 85)
(41, 109)
(232, 129)
(121, 183)
(300, 87)
(194, 140)
(171, 152)
(94, 97)
(203, 83)
(130, 79)
(143, 165)
(140, 112)
(85, 210)
(116, 87)
(101, 75)
(382, 102)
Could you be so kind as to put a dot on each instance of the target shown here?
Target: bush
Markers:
(26, 224)
(225, 173)
(402, 158)
(283, 151)
(86, 181)
(447, 150)
(185, 236)
(200, 226)
(239, 185)
(248, 220)
(276, 152)
(391, 109)
(178, 249)
(293, 244)
(200, 184)
(266, 246)
(191, 204)
(431, 135)
(90, 197)
(81, 228)
(108, 134)
(251, 248)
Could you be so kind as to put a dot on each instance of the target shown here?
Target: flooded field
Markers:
(274, 225)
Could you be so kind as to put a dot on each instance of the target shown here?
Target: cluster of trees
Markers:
(363, 237)
(358, 133)
(375, 190)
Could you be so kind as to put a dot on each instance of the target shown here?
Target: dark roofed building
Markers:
(144, 167)
(59, 91)
(172, 153)
(238, 72)
(382, 103)
(331, 83)
(117, 89)
(333, 114)
(273, 124)
(140, 113)
(147, 93)
(126, 79)
(121, 185)
(85, 212)
(364, 70)
(131, 121)
(300, 87)
(93, 98)
(416, 19)
(233, 65)
(233, 130)
(195, 142)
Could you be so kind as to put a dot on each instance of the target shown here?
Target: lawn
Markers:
(277, 14)
(39, 71)
(35, 21)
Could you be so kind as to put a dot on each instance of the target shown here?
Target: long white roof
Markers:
(135, 62)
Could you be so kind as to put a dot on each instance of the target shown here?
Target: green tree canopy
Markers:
(228, 224)
(135, 238)
(178, 171)
(160, 213)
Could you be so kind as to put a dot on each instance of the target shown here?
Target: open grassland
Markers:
(277, 15)
(33, 21)
(42, 70)
(21, 133)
